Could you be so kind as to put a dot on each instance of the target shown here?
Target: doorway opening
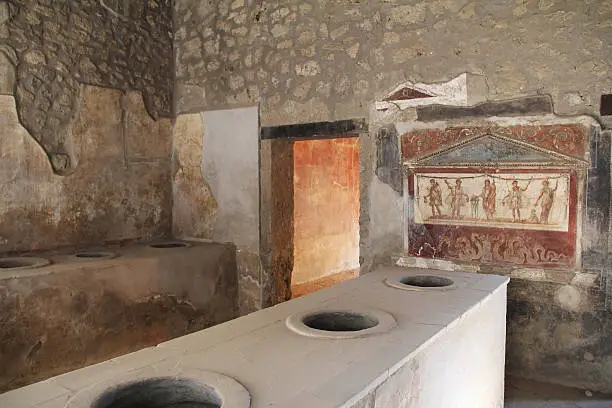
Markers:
(325, 213)
(311, 186)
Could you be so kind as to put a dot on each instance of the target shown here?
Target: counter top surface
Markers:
(279, 367)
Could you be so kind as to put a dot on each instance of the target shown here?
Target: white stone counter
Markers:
(283, 369)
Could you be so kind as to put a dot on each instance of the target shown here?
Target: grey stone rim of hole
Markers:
(422, 283)
(161, 392)
(93, 255)
(225, 391)
(341, 323)
(22, 262)
(169, 245)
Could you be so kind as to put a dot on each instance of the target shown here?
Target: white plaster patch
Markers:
(230, 163)
(454, 92)
(584, 280)
(533, 274)
(568, 298)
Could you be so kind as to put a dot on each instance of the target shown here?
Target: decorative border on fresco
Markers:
(565, 139)
(518, 247)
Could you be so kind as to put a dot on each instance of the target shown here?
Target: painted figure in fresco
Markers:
(533, 217)
(434, 197)
(547, 195)
(489, 193)
(514, 199)
(474, 201)
(457, 198)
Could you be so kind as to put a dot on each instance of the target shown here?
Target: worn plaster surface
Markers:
(230, 166)
(121, 190)
(276, 220)
(193, 204)
(326, 208)
(75, 313)
(559, 330)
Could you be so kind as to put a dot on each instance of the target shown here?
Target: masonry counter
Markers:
(395, 337)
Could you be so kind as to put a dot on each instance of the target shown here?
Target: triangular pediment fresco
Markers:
(407, 93)
(494, 150)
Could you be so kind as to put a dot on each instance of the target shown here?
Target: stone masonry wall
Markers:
(309, 60)
(56, 45)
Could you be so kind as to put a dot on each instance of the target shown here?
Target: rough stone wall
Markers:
(121, 190)
(58, 45)
(309, 60)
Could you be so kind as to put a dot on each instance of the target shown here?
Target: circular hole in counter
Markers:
(340, 321)
(427, 281)
(160, 393)
(171, 244)
(94, 255)
(172, 387)
(422, 282)
(23, 262)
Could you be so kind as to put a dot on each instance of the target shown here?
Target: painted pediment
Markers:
(492, 150)
(406, 93)
(464, 90)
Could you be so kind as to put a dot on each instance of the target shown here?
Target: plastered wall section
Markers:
(215, 187)
(57, 45)
(120, 191)
(326, 208)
